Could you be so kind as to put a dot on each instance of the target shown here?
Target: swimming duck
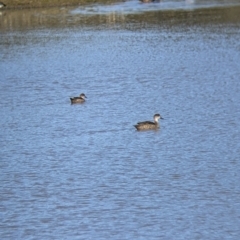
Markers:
(147, 125)
(149, 1)
(80, 99)
(2, 5)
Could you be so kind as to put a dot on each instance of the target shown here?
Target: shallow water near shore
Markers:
(83, 171)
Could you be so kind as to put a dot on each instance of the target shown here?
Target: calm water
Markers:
(83, 171)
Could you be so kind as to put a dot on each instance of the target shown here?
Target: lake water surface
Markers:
(83, 171)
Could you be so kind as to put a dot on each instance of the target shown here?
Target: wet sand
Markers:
(10, 4)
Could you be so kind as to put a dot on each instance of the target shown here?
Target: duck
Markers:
(2, 5)
(80, 99)
(149, 1)
(148, 125)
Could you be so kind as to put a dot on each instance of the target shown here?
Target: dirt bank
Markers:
(10, 4)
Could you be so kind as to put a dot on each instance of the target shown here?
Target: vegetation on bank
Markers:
(51, 3)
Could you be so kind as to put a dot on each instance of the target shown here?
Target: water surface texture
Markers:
(83, 171)
(135, 6)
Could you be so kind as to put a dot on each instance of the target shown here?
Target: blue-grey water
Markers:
(83, 171)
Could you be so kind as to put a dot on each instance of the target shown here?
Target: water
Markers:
(133, 6)
(83, 171)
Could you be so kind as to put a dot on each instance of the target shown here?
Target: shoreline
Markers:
(24, 4)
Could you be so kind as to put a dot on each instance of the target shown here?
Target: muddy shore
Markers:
(13, 4)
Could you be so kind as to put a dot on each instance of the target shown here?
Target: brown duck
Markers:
(148, 125)
(80, 99)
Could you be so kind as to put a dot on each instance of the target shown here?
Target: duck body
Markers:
(149, 1)
(149, 125)
(80, 99)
